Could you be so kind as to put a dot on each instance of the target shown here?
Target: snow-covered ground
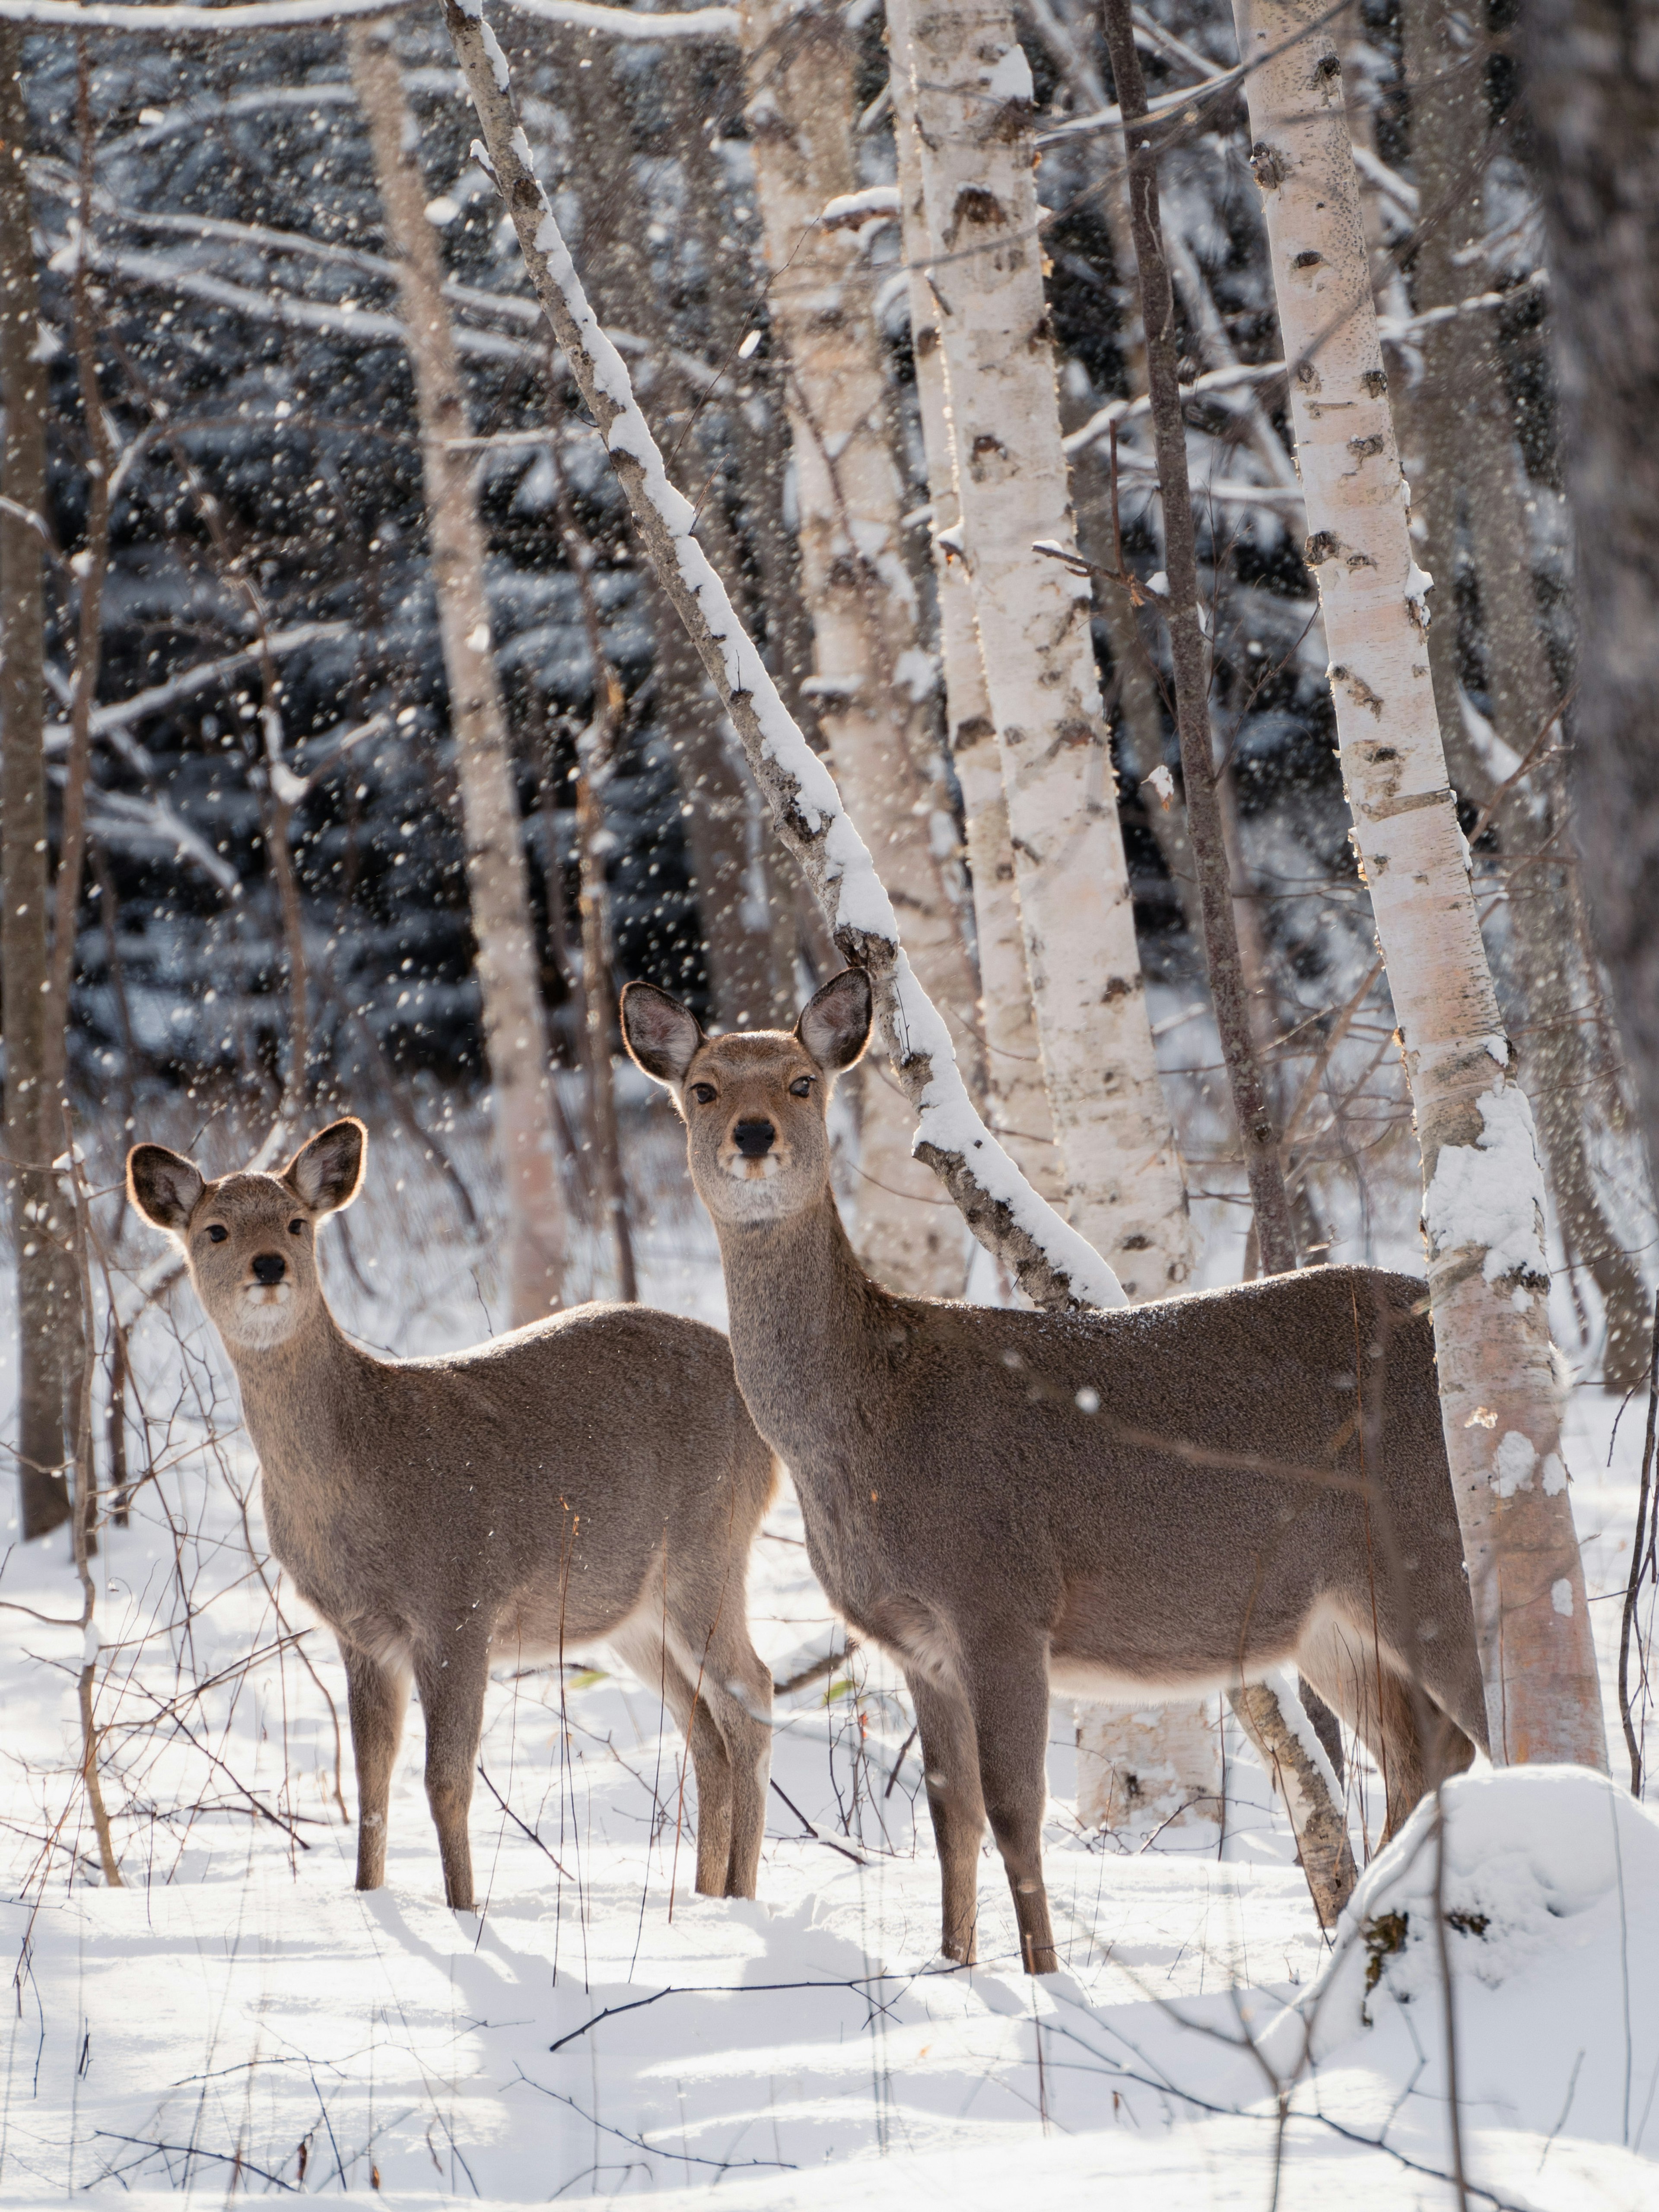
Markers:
(236, 2018)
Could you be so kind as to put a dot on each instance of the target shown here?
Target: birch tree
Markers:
(32, 1109)
(871, 680)
(1017, 1103)
(513, 1022)
(1120, 1176)
(1483, 1180)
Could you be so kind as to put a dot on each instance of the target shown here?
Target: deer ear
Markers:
(835, 1026)
(164, 1187)
(662, 1036)
(327, 1173)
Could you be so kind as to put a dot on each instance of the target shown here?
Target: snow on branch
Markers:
(1051, 1263)
(299, 15)
(258, 16)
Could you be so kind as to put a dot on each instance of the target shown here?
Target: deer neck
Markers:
(297, 1395)
(801, 1312)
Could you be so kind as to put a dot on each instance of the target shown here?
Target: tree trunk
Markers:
(1593, 95)
(1462, 404)
(513, 1020)
(33, 1125)
(1122, 1177)
(1017, 1105)
(873, 696)
(1484, 1188)
(1047, 1258)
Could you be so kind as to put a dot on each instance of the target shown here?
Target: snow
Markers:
(1551, 1897)
(599, 2033)
(1488, 1193)
(1282, 1682)
(876, 201)
(1011, 78)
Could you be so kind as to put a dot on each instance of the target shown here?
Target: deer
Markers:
(594, 1477)
(1158, 1501)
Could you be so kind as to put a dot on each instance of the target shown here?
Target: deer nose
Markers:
(269, 1267)
(754, 1139)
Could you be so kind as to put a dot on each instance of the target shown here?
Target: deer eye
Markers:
(217, 1234)
(703, 1093)
(296, 1229)
(801, 1087)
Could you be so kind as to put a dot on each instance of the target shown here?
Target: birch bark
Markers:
(515, 1025)
(1484, 1194)
(1049, 1260)
(872, 677)
(1016, 1102)
(31, 1105)
(1121, 1178)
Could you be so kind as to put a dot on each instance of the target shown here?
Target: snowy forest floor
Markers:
(238, 2019)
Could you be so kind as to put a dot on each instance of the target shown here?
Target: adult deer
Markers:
(1161, 1500)
(590, 1478)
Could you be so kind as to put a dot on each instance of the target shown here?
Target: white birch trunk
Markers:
(1049, 1260)
(1484, 1185)
(1016, 1102)
(871, 674)
(515, 1037)
(1122, 1177)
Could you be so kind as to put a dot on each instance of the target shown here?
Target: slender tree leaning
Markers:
(33, 1128)
(972, 93)
(1484, 1201)
(617, 255)
(515, 1038)
(1049, 1260)
(874, 705)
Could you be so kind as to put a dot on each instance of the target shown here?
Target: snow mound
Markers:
(1550, 1894)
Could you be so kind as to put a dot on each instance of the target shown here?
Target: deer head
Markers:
(249, 1240)
(753, 1103)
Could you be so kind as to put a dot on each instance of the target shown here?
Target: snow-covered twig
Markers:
(1050, 1260)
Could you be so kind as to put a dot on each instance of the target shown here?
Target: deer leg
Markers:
(452, 1703)
(737, 1692)
(950, 1759)
(1009, 1700)
(376, 1698)
(657, 1669)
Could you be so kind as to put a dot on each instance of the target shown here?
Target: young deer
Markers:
(1158, 1501)
(592, 1477)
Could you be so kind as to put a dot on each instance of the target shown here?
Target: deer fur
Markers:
(594, 1477)
(1161, 1501)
